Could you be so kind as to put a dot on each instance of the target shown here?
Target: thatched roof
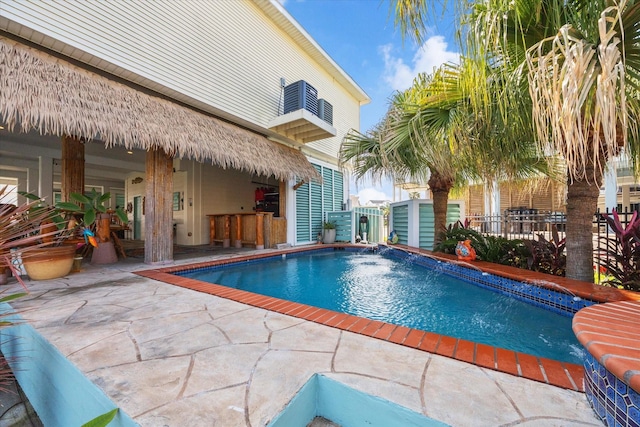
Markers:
(40, 91)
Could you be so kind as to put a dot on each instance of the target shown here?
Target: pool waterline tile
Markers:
(466, 351)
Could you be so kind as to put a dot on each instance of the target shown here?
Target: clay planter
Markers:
(48, 262)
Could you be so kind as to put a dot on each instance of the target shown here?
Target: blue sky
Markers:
(360, 36)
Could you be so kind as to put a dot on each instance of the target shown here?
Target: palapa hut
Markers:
(96, 96)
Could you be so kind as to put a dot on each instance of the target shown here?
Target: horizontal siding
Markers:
(226, 54)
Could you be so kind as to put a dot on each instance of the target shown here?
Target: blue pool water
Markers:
(402, 293)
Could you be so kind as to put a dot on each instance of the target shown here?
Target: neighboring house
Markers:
(179, 109)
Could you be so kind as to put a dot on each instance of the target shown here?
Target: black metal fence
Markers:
(521, 223)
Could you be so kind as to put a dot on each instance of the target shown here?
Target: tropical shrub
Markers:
(621, 253)
(453, 234)
(500, 250)
(547, 256)
(495, 249)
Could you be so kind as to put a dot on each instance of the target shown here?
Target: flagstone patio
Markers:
(169, 356)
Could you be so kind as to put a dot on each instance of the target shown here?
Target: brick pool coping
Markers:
(552, 372)
(610, 334)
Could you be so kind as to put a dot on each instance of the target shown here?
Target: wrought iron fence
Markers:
(528, 223)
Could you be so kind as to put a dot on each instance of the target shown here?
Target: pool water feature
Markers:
(404, 293)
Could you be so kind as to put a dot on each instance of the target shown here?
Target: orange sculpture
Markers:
(464, 251)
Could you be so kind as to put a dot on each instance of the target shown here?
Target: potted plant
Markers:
(38, 234)
(96, 220)
(329, 232)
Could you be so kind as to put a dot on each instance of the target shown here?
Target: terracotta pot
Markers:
(48, 262)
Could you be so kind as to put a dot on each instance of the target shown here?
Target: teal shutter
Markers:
(426, 231)
(327, 190)
(316, 208)
(303, 217)
(314, 200)
(401, 223)
(338, 190)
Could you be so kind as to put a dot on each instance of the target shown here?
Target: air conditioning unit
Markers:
(300, 95)
(325, 111)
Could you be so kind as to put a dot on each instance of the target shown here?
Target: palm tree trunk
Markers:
(582, 201)
(440, 201)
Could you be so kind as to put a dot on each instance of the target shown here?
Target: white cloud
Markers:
(367, 194)
(430, 55)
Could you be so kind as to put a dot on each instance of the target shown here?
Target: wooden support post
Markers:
(212, 230)
(238, 243)
(259, 231)
(158, 245)
(226, 242)
(72, 174)
(282, 203)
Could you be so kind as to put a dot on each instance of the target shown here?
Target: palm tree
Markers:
(402, 146)
(574, 68)
(580, 61)
(430, 131)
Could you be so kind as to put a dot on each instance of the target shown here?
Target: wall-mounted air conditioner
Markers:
(300, 95)
(325, 111)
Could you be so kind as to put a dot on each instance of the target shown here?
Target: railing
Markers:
(527, 224)
(519, 224)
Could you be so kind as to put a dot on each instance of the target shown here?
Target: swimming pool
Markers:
(401, 292)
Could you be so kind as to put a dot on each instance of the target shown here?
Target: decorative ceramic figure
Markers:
(464, 251)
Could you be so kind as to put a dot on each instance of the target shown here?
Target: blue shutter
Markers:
(303, 219)
(316, 205)
(401, 223)
(338, 190)
(426, 234)
(327, 189)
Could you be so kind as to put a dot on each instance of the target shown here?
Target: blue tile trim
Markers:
(555, 301)
(615, 403)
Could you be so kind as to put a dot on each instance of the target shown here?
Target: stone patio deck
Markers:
(169, 356)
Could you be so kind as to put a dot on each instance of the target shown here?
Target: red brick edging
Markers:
(552, 372)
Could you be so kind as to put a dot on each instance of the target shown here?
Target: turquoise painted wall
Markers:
(426, 229)
(60, 394)
(347, 407)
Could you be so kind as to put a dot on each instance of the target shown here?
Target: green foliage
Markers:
(328, 225)
(621, 256)
(90, 206)
(453, 234)
(495, 249)
(41, 212)
(102, 420)
(500, 250)
(547, 256)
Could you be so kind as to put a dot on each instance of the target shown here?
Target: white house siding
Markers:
(224, 56)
